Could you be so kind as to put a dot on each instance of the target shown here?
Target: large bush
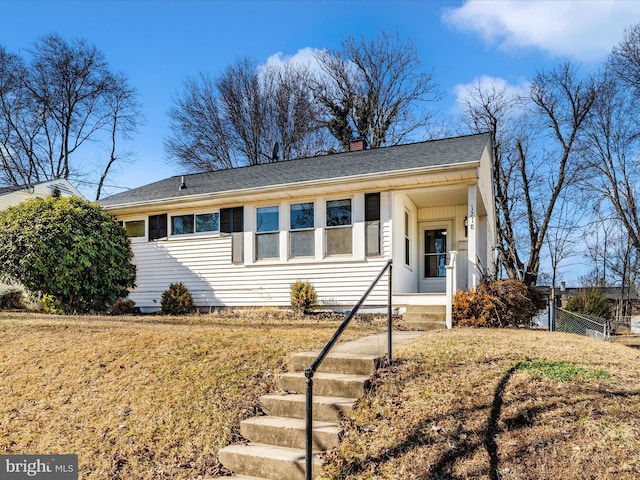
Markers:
(501, 303)
(590, 302)
(67, 249)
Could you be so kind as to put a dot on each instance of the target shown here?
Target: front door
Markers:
(435, 244)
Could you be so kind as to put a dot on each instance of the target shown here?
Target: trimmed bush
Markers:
(501, 303)
(123, 306)
(590, 302)
(303, 297)
(11, 300)
(177, 300)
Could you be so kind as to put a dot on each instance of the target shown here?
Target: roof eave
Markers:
(462, 166)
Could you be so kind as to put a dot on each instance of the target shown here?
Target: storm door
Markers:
(435, 244)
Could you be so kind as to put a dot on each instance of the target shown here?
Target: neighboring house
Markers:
(10, 196)
(241, 237)
(14, 195)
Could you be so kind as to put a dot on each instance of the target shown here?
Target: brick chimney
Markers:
(357, 143)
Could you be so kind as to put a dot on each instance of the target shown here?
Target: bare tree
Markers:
(536, 161)
(199, 140)
(561, 102)
(239, 117)
(493, 108)
(52, 106)
(563, 236)
(374, 88)
(124, 118)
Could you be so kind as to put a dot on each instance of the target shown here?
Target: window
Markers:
(267, 233)
(339, 230)
(157, 226)
(372, 223)
(186, 224)
(181, 225)
(134, 228)
(302, 234)
(208, 222)
(435, 253)
(407, 241)
(232, 223)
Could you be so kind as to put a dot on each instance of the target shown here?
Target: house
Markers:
(241, 237)
(14, 195)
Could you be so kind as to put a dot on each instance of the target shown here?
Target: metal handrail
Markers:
(308, 373)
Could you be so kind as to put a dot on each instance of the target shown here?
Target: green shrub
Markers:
(303, 297)
(123, 306)
(11, 300)
(177, 300)
(501, 303)
(51, 305)
(590, 302)
(69, 249)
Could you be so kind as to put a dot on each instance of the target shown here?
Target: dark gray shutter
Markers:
(157, 226)
(372, 223)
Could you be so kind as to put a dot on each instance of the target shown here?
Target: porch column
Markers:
(472, 237)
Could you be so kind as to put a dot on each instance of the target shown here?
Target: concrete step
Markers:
(326, 384)
(424, 325)
(349, 363)
(267, 461)
(425, 317)
(289, 432)
(325, 409)
(420, 316)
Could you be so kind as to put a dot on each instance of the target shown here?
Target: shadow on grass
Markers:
(464, 442)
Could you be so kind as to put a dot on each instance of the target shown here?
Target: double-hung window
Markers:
(267, 233)
(339, 229)
(302, 233)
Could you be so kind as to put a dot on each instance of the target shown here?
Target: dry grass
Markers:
(498, 404)
(143, 397)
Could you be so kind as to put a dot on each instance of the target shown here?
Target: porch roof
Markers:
(329, 168)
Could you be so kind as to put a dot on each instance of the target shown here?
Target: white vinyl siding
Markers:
(203, 265)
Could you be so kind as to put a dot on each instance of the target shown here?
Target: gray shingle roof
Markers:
(11, 189)
(448, 151)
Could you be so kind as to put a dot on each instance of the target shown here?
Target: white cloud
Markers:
(465, 92)
(304, 57)
(582, 29)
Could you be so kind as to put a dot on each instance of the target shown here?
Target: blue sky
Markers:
(157, 44)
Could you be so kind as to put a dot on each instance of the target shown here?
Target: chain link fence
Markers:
(581, 324)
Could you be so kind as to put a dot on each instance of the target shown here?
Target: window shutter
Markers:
(372, 223)
(231, 220)
(157, 226)
(371, 207)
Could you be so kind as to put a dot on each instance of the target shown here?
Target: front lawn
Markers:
(143, 397)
